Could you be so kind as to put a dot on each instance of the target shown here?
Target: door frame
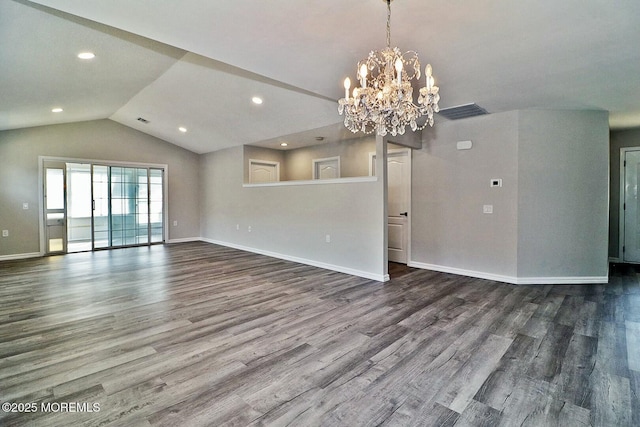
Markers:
(41, 207)
(390, 153)
(621, 202)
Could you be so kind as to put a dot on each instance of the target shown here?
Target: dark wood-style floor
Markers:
(197, 334)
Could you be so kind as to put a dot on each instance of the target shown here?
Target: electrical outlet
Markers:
(237, 226)
(175, 223)
(488, 209)
(25, 206)
(249, 229)
(327, 238)
(5, 233)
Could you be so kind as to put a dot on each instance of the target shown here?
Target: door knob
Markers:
(404, 213)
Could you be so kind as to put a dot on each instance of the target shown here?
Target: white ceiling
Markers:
(197, 63)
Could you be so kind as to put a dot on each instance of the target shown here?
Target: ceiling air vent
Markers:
(462, 111)
(143, 120)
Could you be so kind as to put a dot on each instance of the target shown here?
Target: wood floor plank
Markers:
(633, 345)
(473, 373)
(199, 334)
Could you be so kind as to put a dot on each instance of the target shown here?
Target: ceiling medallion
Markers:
(384, 101)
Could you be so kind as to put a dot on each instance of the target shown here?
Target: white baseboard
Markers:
(462, 272)
(568, 280)
(326, 266)
(184, 240)
(20, 256)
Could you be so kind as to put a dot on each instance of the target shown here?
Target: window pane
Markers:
(55, 188)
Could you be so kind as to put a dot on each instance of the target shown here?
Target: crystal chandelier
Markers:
(384, 100)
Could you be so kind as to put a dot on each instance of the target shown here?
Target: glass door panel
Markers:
(101, 228)
(55, 211)
(156, 201)
(79, 207)
(129, 189)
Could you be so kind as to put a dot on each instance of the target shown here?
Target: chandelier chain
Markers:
(388, 23)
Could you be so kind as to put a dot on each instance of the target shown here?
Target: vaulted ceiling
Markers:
(197, 63)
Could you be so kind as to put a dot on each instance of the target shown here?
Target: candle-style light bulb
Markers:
(429, 72)
(398, 65)
(347, 85)
(363, 75)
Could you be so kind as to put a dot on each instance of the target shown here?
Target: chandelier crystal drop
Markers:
(384, 101)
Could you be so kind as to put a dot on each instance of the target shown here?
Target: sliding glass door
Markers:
(92, 206)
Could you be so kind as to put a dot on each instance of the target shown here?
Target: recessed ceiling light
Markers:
(57, 110)
(182, 129)
(256, 100)
(86, 55)
(283, 144)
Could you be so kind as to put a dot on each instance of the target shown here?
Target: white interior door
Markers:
(399, 202)
(328, 168)
(631, 248)
(261, 171)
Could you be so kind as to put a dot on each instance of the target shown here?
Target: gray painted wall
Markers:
(293, 220)
(100, 140)
(619, 139)
(354, 158)
(563, 196)
(550, 218)
(450, 187)
(296, 164)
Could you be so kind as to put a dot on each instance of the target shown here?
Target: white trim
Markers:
(372, 157)
(372, 162)
(621, 202)
(102, 162)
(315, 182)
(569, 280)
(621, 212)
(326, 266)
(315, 162)
(20, 256)
(575, 280)
(184, 240)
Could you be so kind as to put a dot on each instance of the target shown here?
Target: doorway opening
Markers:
(398, 203)
(90, 206)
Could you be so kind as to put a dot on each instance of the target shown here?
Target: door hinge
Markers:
(625, 164)
(624, 206)
(624, 248)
